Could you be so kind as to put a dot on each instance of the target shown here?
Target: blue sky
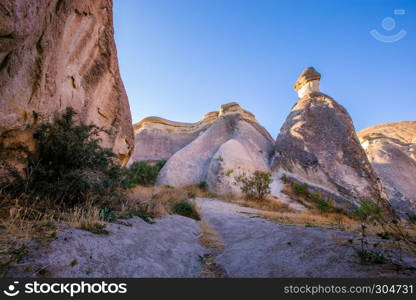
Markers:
(182, 58)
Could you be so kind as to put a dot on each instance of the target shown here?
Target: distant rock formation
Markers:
(158, 139)
(221, 146)
(318, 145)
(391, 149)
(59, 53)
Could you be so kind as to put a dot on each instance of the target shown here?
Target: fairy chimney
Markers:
(308, 82)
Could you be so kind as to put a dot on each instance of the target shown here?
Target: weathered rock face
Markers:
(317, 144)
(221, 146)
(391, 149)
(158, 139)
(59, 53)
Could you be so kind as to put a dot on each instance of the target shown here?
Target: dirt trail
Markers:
(172, 247)
(256, 247)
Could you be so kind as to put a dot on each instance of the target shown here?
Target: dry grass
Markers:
(209, 237)
(86, 217)
(20, 224)
(266, 205)
(158, 201)
(314, 219)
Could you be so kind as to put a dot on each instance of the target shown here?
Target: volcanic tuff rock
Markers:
(391, 149)
(158, 139)
(221, 146)
(59, 53)
(317, 144)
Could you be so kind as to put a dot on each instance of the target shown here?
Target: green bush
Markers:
(255, 187)
(107, 214)
(369, 210)
(203, 185)
(371, 257)
(142, 173)
(412, 218)
(186, 209)
(301, 190)
(68, 166)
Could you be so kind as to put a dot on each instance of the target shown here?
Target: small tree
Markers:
(255, 187)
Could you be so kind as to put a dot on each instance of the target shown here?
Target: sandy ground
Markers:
(254, 247)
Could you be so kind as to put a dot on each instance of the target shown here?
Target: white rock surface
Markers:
(391, 149)
(168, 248)
(233, 144)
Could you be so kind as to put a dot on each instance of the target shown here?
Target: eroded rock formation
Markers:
(318, 145)
(391, 149)
(216, 149)
(59, 53)
(158, 139)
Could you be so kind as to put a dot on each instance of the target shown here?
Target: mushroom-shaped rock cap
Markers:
(309, 74)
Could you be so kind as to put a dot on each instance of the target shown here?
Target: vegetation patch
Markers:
(186, 209)
(255, 186)
(143, 173)
(67, 167)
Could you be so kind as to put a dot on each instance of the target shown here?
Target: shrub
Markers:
(142, 173)
(107, 214)
(255, 187)
(371, 257)
(369, 210)
(186, 209)
(301, 190)
(203, 185)
(68, 164)
(412, 218)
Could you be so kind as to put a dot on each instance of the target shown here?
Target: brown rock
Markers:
(318, 145)
(309, 74)
(59, 53)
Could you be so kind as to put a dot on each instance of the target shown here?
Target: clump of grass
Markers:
(86, 217)
(73, 263)
(311, 198)
(203, 185)
(371, 257)
(209, 237)
(21, 223)
(186, 209)
(412, 218)
(368, 211)
(107, 214)
(269, 204)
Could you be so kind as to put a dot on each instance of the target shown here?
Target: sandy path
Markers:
(256, 247)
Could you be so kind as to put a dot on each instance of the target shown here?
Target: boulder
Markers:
(318, 145)
(391, 150)
(60, 53)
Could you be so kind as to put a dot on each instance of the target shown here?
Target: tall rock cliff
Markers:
(318, 145)
(391, 149)
(59, 53)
